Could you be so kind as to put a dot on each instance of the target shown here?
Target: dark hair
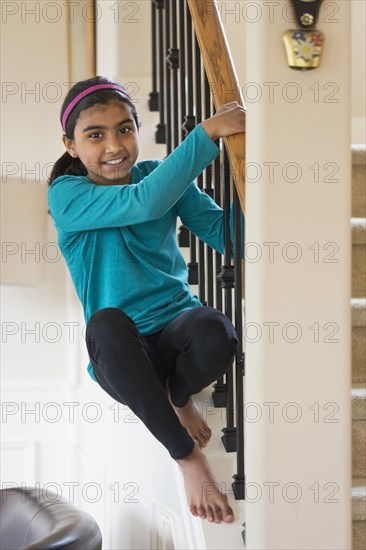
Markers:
(68, 164)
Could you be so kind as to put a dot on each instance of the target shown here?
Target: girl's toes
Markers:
(193, 510)
(201, 512)
(228, 514)
(217, 515)
(210, 514)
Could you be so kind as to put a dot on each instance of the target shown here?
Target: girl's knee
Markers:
(217, 331)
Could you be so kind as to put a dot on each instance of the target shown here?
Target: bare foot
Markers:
(191, 418)
(205, 500)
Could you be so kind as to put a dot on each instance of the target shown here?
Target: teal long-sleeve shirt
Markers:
(119, 241)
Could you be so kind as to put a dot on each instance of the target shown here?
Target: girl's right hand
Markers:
(229, 119)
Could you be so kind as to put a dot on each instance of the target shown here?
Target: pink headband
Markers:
(86, 92)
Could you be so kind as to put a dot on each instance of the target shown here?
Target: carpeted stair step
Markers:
(359, 181)
(358, 431)
(358, 340)
(359, 514)
(358, 257)
(358, 402)
(358, 304)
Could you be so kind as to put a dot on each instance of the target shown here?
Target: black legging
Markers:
(192, 351)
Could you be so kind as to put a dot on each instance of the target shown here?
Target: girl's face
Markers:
(106, 141)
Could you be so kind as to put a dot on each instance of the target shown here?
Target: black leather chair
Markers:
(32, 519)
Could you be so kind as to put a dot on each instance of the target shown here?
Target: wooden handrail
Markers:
(222, 78)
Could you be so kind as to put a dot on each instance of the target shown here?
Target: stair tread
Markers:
(358, 306)
(358, 394)
(358, 386)
(358, 154)
(358, 231)
(359, 499)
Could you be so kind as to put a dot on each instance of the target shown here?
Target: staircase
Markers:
(207, 39)
(359, 347)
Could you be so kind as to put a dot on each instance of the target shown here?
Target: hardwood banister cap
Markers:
(222, 79)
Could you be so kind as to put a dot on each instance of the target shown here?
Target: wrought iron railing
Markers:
(188, 84)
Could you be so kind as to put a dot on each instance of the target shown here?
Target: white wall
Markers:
(358, 71)
(37, 349)
(34, 81)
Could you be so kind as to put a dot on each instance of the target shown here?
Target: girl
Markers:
(151, 344)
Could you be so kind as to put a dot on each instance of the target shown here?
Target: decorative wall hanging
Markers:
(304, 45)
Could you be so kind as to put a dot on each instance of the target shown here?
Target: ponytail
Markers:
(67, 165)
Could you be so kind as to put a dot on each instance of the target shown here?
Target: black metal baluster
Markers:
(182, 63)
(160, 134)
(154, 95)
(183, 233)
(173, 63)
(226, 278)
(238, 484)
(209, 190)
(189, 119)
(188, 125)
(243, 534)
(167, 78)
(218, 256)
(198, 102)
(219, 396)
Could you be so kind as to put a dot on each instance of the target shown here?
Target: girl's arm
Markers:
(201, 215)
(198, 212)
(76, 204)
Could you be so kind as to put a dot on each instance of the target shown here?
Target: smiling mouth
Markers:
(116, 163)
